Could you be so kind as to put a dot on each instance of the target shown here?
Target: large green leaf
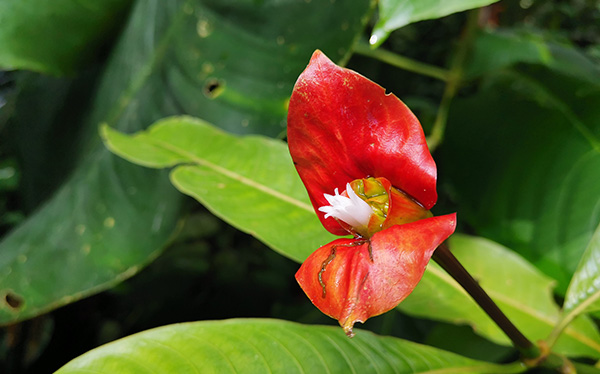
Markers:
(269, 346)
(523, 158)
(394, 14)
(249, 182)
(55, 36)
(521, 291)
(583, 294)
(234, 63)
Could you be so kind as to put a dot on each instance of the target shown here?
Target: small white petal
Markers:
(331, 198)
(352, 209)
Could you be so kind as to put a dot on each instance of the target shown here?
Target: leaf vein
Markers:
(235, 176)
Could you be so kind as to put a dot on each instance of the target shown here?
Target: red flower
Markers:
(346, 134)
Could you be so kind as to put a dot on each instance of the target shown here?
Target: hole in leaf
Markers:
(13, 301)
(214, 88)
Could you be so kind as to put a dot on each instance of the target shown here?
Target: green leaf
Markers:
(499, 49)
(523, 159)
(269, 346)
(72, 33)
(394, 14)
(250, 182)
(87, 238)
(461, 339)
(234, 63)
(42, 124)
(520, 290)
(583, 294)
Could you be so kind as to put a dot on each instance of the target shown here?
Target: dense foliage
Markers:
(117, 118)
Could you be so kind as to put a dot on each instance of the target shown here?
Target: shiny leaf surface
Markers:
(583, 294)
(394, 14)
(269, 346)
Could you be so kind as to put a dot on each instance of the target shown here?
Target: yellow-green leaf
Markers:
(270, 346)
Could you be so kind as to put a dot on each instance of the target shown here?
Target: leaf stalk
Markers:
(452, 266)
(532, 355)
(402, 62)
(455, 76)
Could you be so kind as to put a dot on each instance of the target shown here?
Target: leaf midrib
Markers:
(145, 71)
(232, 174)
(532, 312)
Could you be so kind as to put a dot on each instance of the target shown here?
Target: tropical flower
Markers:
(346, 134)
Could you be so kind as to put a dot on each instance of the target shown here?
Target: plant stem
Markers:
(452, 266)
(532, 355)
(563, 322)
(402, 62)
(453, 81)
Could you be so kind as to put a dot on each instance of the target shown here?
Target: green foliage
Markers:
(56, 37)
(269, 346)
(518, 160)
(394, 14)
(533, 185)
(249, 182)
(519, 289)
(583, 294)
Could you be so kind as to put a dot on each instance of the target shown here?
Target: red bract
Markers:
(342, 126)
(346, 134)
(367, 278)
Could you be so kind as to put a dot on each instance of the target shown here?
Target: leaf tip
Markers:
(103, 130)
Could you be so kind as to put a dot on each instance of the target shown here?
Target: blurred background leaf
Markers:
(57, 37)
(522, 46)
(522, 158)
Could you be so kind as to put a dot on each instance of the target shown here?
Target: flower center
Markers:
(363, 206)
(348, 208)
(370, 205)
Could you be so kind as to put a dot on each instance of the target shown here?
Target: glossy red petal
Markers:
(358, 287)
(342, 126)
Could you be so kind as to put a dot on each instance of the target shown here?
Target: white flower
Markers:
(352, 209)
